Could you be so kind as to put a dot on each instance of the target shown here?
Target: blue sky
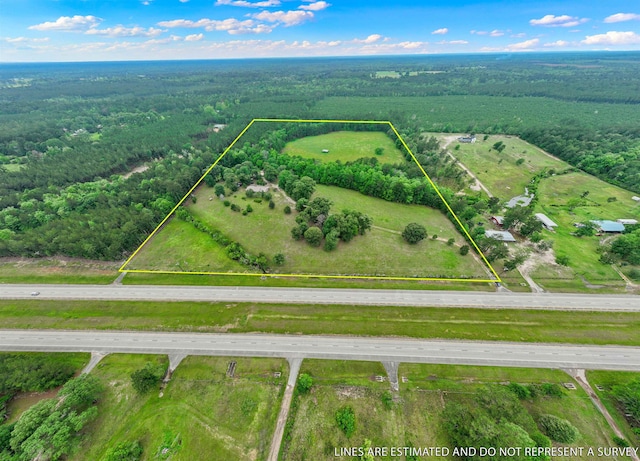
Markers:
(100, 30)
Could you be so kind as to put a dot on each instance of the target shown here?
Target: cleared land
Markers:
(444, 323)
(381, 252)
(201, 411)
(57, 270)
(345, 146)
(414, 416)
(560, 198)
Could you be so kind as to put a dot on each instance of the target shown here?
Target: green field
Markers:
(345, 146)
(559, 197)
(57, 270)
(381, 252)
(498, 171)
(414, 415)
(200, 413)
(414, 322)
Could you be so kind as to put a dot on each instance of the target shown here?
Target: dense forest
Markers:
(69, 133)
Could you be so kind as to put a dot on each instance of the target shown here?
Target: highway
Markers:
(503, 354)
(425, 298)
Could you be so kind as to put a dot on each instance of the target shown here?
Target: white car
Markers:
(35, 293)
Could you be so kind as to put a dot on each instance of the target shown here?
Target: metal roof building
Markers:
(500, 235)
(608, 226)
(546, 221)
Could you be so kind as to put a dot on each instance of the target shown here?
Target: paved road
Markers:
(585, 302)
(328, 347)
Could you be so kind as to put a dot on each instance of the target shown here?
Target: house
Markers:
(497, 220)
(467, 139)
(546, 221)
(503, 236)
(608, 226)
(627, 222)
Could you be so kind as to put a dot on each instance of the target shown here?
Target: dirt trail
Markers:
(478, 185)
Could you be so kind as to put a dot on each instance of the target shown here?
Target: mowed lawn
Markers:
(499, 171)
(180, 247)
(381, 252)
(201, 414)
(555, 193)
(345, 146)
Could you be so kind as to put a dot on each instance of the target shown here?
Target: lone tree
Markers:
(147, 378)
(414, 232)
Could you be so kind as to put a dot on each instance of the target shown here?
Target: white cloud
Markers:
(621, 17)
(231, 25)
(122, 31)
(441, 31)
(613, 38)
(493, 33)
(315, 6)
(25, 40)
(558, 21)
(519, 35)
(183, 1)
(194, 37)
(288, 18)
(526, 45)
(496, 33)
(246, 4)
(370, 39)
(457, 42)
(69, 23)
(557, 44)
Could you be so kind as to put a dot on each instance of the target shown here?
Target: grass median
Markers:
(413, 322)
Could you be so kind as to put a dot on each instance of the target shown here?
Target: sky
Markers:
(117, 30)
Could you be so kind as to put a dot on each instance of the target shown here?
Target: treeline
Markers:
(610, 154)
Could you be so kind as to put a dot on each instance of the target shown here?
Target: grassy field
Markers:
(608, 379)
(499, 171)
(200, 413)
(57, 270)
(415, 322)
(381, 252)
(559, 197)
(414, 415)
(345, 146)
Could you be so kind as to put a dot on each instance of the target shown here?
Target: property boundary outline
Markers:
(316, 276)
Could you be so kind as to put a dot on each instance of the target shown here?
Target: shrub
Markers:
(464, 249)
(235, 207)
(147, 378)
(250, 193)
(124, 451)
(558, 429)
(219, 190)
(451, 241)
(563, 260)
(620, 441)
(346, 420)
(272, 204)
(287, 209)
(552, 389)
(249, 208)
(313, 236)
(278, 259)
(434, 236)
(414, 232)
(387, 400)
(305, 382)
(226, 203)
(520, 391)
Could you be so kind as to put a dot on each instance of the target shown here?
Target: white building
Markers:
(546, 221)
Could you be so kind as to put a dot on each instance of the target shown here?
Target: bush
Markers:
(147, 378)
(558, 429)
(249, 208)
(464, 249)
(305, 382)
(235, 207)
(520, 391)
(434, 237)
(451, 241)
(387, 400)
(563, 260)
(620, 441)
(346, 420)
(226, 203)
(414, 232)
(287, 209)
(552, 390)
(272, 204)
(313, 236)
(124, 451)
(279, 259)
(219, 190)
(250, 193)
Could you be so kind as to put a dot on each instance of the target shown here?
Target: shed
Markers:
(635, 198)
(546, 221)
(627, 222)
(503, 236)
(608, 226)
(498, 220)
(467, 139)
(325, 151)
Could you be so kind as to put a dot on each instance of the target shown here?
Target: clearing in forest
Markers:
(241, 219)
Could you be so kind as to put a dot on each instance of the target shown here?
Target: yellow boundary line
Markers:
(362, 277)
